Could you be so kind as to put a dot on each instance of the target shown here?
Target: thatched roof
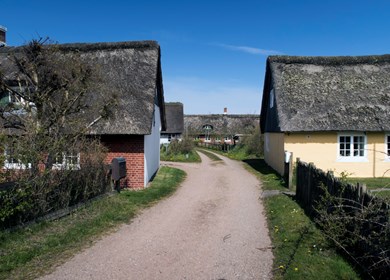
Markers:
(326, 94)
(133, 71)
(221, 124)
(174, 117)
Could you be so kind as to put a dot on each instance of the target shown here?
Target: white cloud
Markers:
(249, 50)
(201, 96)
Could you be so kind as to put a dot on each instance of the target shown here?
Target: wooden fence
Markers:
(312, 182)
(364, 238)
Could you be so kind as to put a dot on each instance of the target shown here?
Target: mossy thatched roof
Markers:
(326, 94)
(223, 125)
(132, 70)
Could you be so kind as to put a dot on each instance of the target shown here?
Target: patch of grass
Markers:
(383, 194)
(372, 183)
(270, 179)
(211, 156)
(30, 252)
(380, 185)
(239, 152)
(301, 249)
(190, 157)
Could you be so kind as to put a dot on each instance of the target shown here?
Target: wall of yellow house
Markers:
(322, 150)
(274, 151)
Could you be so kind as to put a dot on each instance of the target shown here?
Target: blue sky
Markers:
(213, 52)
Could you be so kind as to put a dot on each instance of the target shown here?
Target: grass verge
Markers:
(381, 186)
(210, 155)
(33, 251)
(301, 250)
(190, 157)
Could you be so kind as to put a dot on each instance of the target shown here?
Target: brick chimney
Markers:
(3, 30)
(225, 111)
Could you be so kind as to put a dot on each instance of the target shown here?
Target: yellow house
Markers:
(332, 111)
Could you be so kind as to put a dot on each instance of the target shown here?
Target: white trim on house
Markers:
(152, 148)
(351, 148)
(14, 163)
(68, 161)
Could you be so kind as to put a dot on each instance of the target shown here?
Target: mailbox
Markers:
(118, 168)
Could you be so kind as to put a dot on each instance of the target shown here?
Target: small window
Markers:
(67, 161)
(12, 160)
(207, 127)
(388, 145)
(271, 98)
(352, 146)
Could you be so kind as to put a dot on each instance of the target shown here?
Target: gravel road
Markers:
(213, 227)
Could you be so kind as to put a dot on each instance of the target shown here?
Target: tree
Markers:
(50, 99)
(52, 96)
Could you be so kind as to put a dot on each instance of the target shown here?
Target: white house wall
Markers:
(152, 147)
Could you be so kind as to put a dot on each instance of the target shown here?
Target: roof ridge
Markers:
(330, 60)
(147, 44)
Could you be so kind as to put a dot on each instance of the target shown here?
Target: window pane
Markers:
(388, 145)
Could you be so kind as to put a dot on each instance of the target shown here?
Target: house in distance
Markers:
(220, 128)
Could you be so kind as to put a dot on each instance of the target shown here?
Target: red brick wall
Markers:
(131, 147)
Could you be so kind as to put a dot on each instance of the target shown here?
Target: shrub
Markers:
(185, 146)
(359, 229)
(254, 143)
(29, 195)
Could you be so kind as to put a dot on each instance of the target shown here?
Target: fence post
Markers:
(298, 190)
(290, 172)
(288, 169)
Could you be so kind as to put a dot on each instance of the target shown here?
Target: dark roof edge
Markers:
(96, 46)
(330, 60)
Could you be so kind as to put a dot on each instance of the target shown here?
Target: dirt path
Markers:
(213, 227)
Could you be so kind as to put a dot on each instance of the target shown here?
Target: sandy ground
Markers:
(213, 227)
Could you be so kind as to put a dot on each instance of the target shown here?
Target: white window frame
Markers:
(207, 138)
(64, 163)
(351, 157)
(13, 165)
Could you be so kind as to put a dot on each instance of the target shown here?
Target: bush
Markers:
(254, 143)
(32, 195)
(185, 146)
(361, 230)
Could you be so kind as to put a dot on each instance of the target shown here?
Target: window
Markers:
(7, 97)
(388, 145)
(271, 98)
(208, 127)
(207, 138)
(12, 160)
(352, 146)
(67, 161)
